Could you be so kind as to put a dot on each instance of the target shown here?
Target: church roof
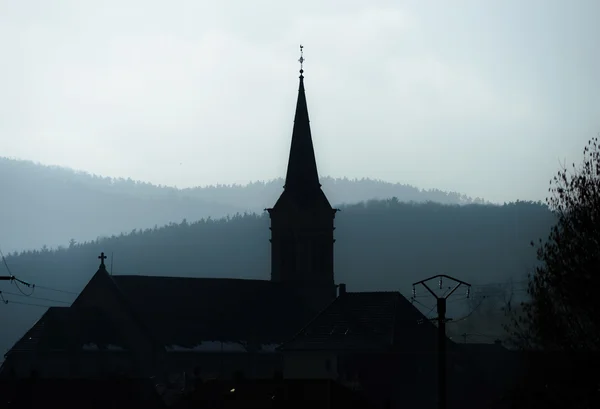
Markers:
(64, 327)
(187, 311)
(366, 321)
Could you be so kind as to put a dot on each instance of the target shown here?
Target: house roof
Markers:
(366, 321)
(64, 327)
(186, 311)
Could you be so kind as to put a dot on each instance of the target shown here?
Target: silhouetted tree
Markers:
(564, 311)
(562, 318)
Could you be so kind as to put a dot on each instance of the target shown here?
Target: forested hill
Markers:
(381, 245)
(43, 205)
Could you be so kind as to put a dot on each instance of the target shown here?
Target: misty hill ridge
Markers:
(380, 245)
(49, 205)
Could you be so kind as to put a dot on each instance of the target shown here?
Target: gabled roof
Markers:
(186, 311)
(61, 328)
(366, 321)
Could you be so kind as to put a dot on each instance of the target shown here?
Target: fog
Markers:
(464, 96)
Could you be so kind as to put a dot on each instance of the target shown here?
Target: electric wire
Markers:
(17, 282)
(35, 298)
(31, 304)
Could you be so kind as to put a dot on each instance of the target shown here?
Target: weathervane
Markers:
(301, 60)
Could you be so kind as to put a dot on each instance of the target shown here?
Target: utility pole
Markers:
(441, 319)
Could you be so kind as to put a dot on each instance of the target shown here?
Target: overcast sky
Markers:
(480, 97)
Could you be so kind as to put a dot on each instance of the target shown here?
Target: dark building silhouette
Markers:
(180, 331)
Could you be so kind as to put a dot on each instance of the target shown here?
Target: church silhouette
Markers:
(299, 324)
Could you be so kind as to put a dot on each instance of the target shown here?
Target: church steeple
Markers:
(302, 176)
(302, 219)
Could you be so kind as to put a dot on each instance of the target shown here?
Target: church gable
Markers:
(103, 294)
(100, 292)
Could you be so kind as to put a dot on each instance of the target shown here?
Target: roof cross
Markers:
(102, 257)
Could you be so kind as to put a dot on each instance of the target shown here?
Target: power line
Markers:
(5, 301)
(505, 283)
(470, 313)
(34, 298)
(414, 300)
(430, 309)
(16, 281)
(56, 289)
(23, 292)
(32, 304)
(11, 277)
(459, 299)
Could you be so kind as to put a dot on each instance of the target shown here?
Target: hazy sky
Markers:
(482, 97)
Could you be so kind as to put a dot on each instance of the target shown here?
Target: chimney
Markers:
(342, 289)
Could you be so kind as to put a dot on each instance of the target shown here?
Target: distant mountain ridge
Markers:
(380, 245)
(48, 205)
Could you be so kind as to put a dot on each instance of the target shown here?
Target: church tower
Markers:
(302, 218)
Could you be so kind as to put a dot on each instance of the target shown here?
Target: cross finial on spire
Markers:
(301, 60)
(102, 257)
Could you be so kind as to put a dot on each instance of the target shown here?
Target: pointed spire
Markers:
(302, 172)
